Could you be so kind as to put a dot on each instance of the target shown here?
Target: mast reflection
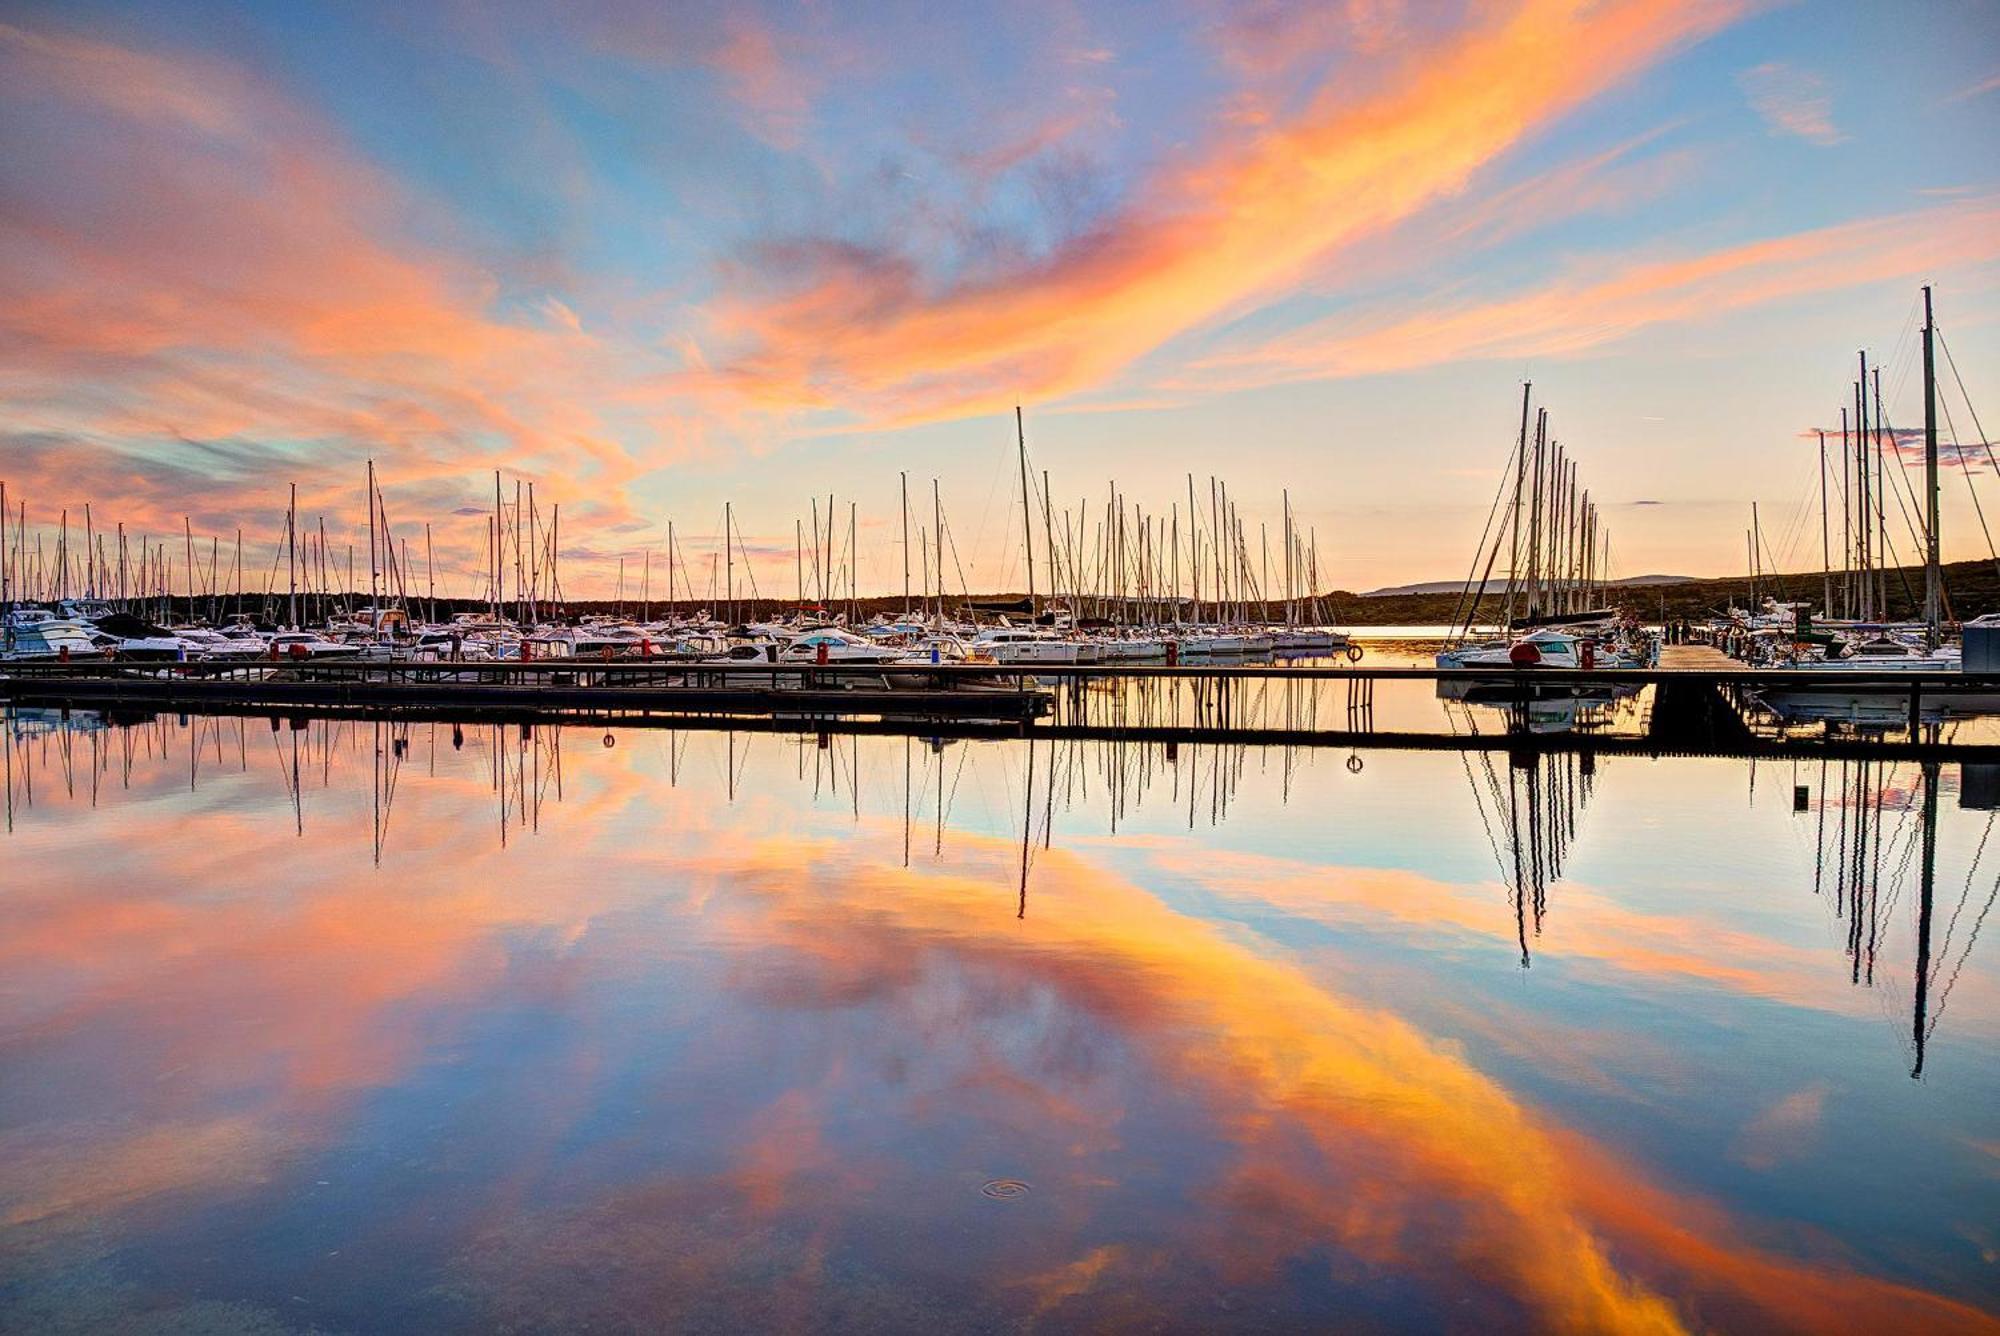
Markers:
(1883, 839)
(1874, 823)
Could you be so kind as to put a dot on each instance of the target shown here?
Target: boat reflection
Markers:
(732, 1029)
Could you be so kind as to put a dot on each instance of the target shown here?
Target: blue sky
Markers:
(656, 257)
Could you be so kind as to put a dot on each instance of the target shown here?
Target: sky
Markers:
(654, 258)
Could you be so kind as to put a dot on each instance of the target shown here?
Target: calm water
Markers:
(359, 1027)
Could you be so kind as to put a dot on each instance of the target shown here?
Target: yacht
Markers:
(1544, 647)
(597, 640)
(129, 637)
(829, 644)
(931, 650)
(935, 647)
(36, 635)
(84, 610)
(308, 645)
(1886, 653)
(1015, 644)
(212, 646)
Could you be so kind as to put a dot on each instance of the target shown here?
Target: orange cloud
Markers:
(1582, 924)
(1601, 305)
(210, 271)
(858, 329)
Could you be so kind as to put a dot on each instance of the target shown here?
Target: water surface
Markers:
(359, 1027)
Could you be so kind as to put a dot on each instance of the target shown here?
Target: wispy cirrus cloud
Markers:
(824, 324)
(1600, 303)
(204, 294)
(1792, 102)
(1980, 88)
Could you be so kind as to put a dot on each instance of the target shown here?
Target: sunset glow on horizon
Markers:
(656, 258)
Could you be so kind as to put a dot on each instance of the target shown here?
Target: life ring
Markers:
(1354, 654)
(610, 741)
(1354, 764)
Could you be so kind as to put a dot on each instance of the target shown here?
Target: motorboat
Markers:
(127, 637)
(1544, 647)
(593, 640)
(84, 610)
(935, 647)
(210, 645)
(1889, 654)
(36, 635)
(308, 645)
(1015, 644)
(829, 644)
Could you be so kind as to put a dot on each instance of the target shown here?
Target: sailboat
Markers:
(1556, 554)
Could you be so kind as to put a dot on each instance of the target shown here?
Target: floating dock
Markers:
(511, 688)
(1698, 701)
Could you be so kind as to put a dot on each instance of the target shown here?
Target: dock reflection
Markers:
(675, 1025)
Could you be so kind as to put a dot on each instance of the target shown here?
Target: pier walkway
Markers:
(1680, 657)
(1698, 702)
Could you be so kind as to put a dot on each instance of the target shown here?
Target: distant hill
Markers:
(1459, 586)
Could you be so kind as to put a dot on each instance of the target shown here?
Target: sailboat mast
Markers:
(1750, 561)
(1535, 514)
(1932, 600)
(1027, 508)
(1825, 543)
(1867, 540)
(522, 610)
(374, 579)
(1520, 482)
(1215, 531)
(292, 554)
(1291, 612)
(1194, 548)
(494, 584)
(1881, 493)
(1756, 567)
(1049, 540)
(1846, 518)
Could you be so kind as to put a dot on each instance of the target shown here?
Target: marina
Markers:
(1010, 670)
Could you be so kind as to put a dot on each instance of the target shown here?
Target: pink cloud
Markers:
(1792, 102)
(218, 270)
(1205, 236)
(1594, 306)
